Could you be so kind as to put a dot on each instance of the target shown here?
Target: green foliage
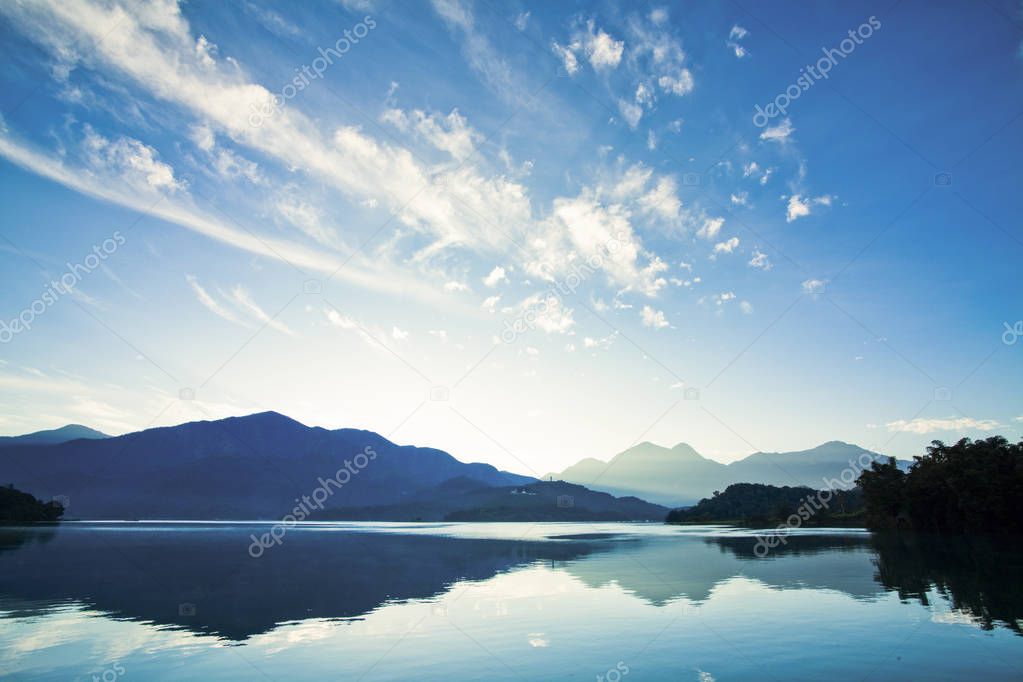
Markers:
(971, 486)
(761, 504)
(17, 507)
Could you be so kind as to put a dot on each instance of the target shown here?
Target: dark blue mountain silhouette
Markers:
(242, 467)
(51, 436)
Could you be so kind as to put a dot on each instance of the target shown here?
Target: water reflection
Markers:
(480, 602)
(981, 576)
(204, 580)
(201, 579)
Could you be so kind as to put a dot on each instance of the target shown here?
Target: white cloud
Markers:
(737, 49)
(307, 218)
(496, 276)
(658, 56)
(603, 51)
(746, 307)
(521, 21)
(439, 334)
(155, 51)
(752, 170)
(740, 198)
(680, 83)
(813, 286)
(800, 206)
(653, 318)
(568, 58)
(726, 246)
(719, 299)
(710, 228)
(134, 162)
(451, 133)
(778, 133)
(398, 334)
(481, 55)
(643, 95)
(244, 300)
(602, 343)
(662, 199)
(142, 198)
(202, 136)
(923, 426)
(736, 34)
(208, 301)
(231, 166)
(272, 21)
(453, 286)
(547, 313)
(338, 319)
(760, 260)
(490, 303)
(631, 112)
(224, 162)
(584, 229)
(631, 184)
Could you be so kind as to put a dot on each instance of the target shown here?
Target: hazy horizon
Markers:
(601, 457)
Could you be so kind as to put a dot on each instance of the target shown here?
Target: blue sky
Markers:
(523, 234)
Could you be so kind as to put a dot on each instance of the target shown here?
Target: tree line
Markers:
(759, 504)
(971, 486)
(17, 507)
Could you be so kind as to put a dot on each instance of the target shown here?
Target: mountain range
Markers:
(680, 476)
(263, 466)
(53, 436)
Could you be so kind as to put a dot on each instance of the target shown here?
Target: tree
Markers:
(971, 486)
(883, 494)
(18, 507)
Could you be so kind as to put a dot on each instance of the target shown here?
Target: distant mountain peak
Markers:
(681, 475)
(268, 416)
(243, 467)
(686, 449)
(52, 436)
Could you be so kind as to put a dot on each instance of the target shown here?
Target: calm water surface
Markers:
(346, 601)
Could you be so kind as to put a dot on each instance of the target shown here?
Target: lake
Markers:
(502, 601)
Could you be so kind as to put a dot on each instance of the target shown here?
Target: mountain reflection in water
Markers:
(384, 601)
